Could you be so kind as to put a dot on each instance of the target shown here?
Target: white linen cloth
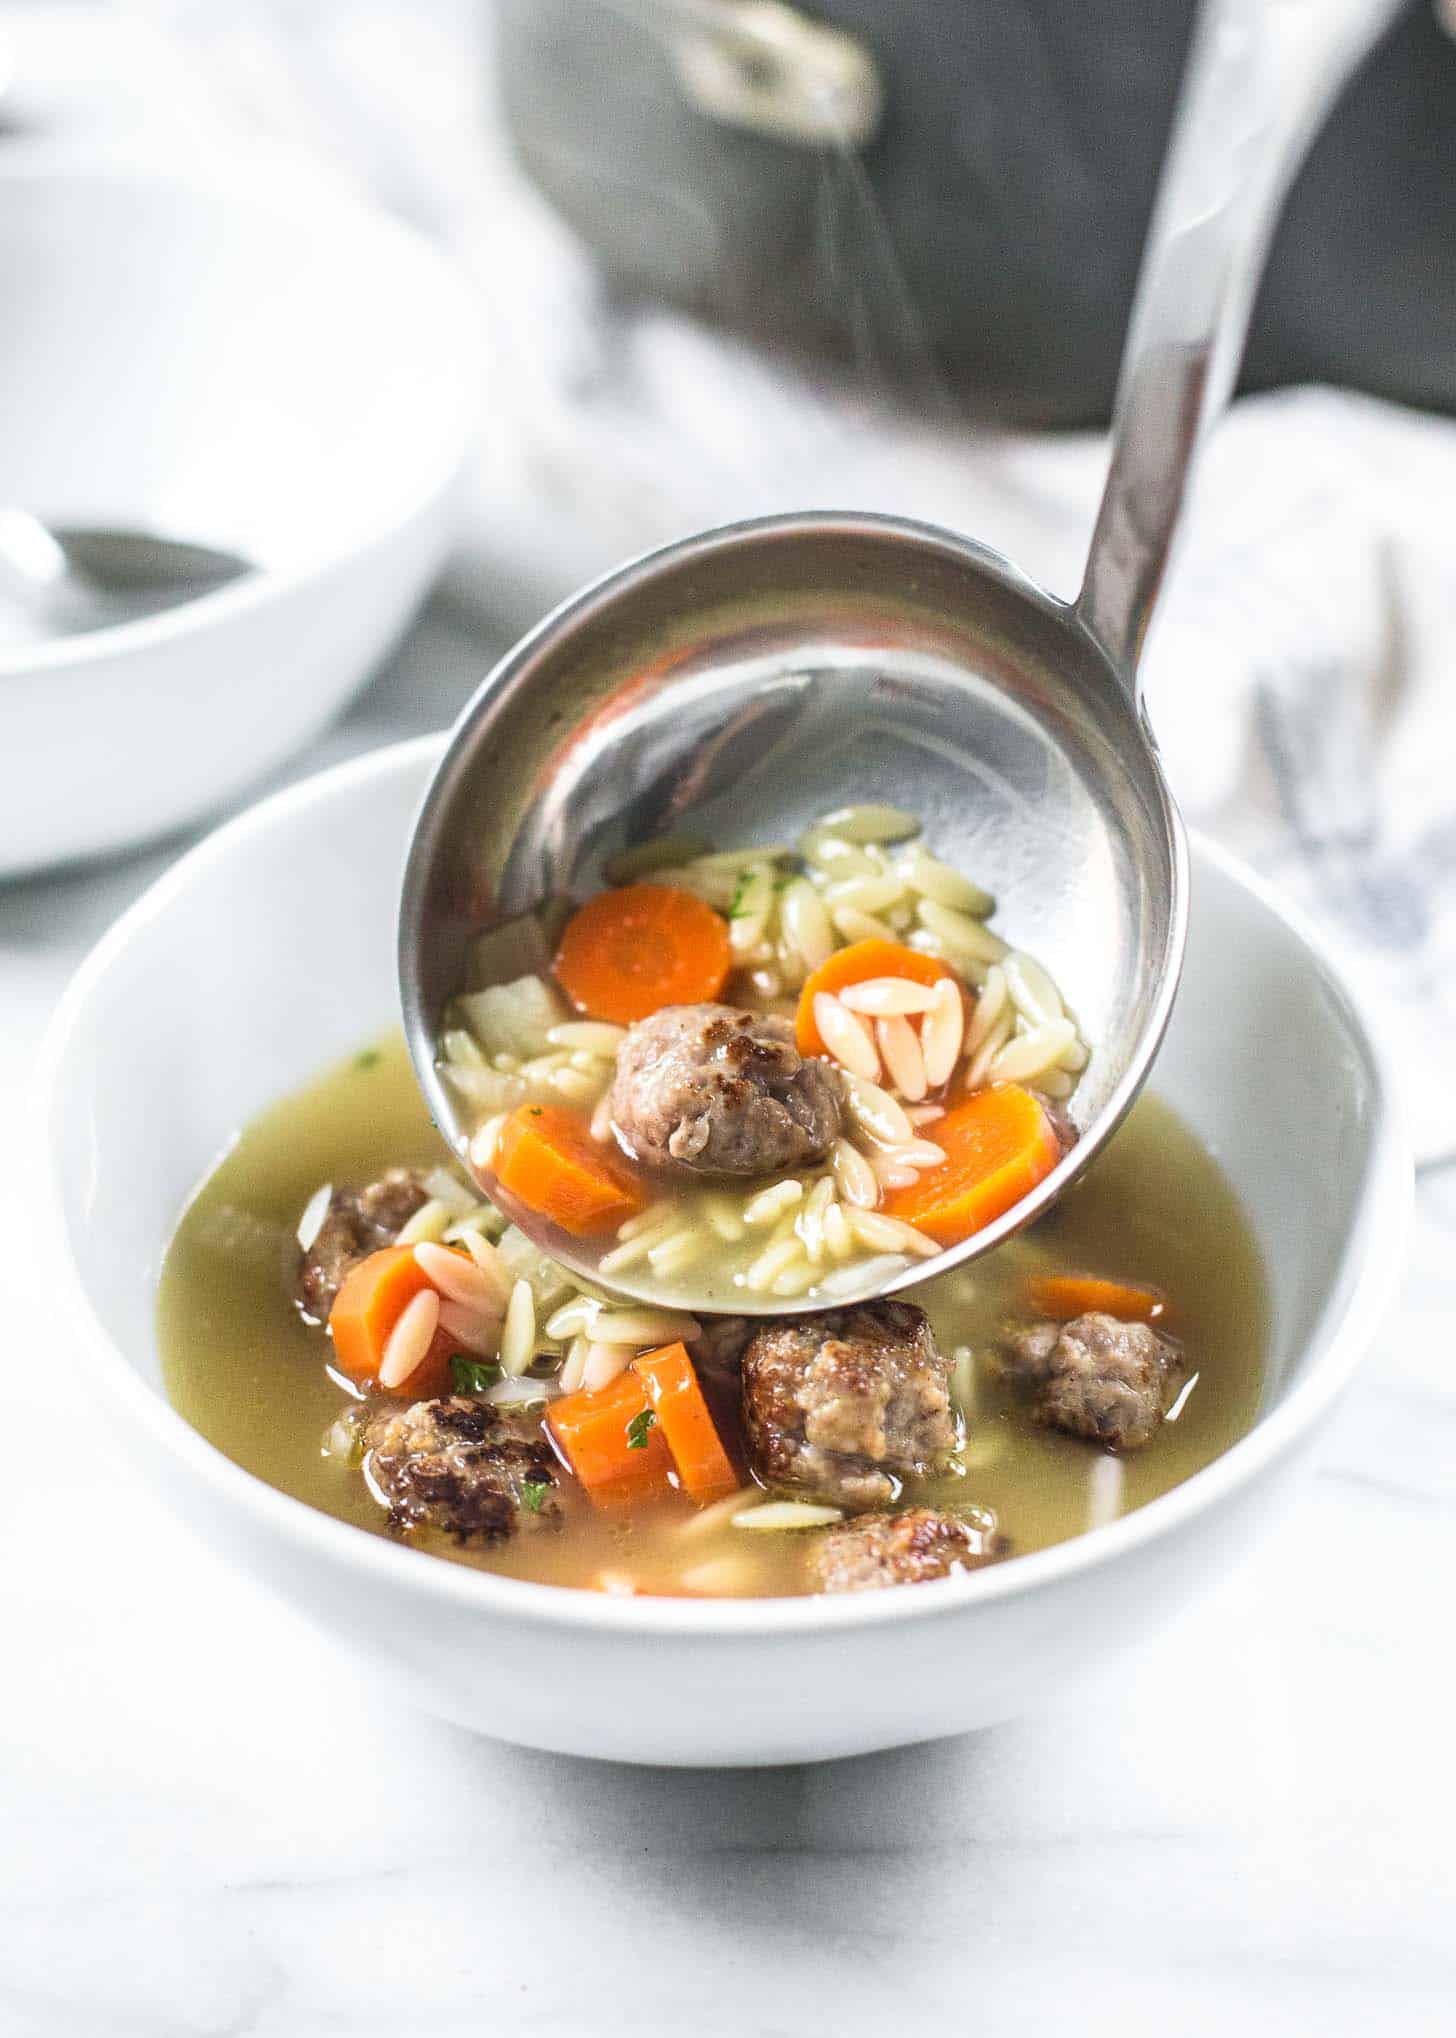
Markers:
(1302, 671)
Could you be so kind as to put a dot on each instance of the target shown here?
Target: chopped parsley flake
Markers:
(370, 1058)
(736, 908)
(533, 1492)
(640, 1428)
(472, 1376)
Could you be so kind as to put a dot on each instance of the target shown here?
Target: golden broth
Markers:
(248, 1373)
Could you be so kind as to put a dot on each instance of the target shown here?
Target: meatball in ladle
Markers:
(707, 1090)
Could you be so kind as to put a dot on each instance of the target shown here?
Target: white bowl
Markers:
(252, 360)
(202, 1005)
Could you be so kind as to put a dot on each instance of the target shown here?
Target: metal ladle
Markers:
(743, 682)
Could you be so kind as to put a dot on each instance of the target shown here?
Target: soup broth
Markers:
(244, 1369)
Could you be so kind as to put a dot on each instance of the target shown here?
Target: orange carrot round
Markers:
(612, 1441)
(629, 952)
(703, 1466)
(857, 964)
(998, 1145)
(433, 1375)
(550, 1160)
(370, 1301)
(1064, 1296)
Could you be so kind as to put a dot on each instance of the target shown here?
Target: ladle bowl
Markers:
(741, 683)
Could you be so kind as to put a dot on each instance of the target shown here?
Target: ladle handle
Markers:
(1260, 77)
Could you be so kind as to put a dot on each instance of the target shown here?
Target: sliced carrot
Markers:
(629, 952)
(369, 1304)
(857, 964)
(1067, 1295)
(703, 1466)
(998, 1145)
(613, 1442)
(549, 1159)
(432, 1376)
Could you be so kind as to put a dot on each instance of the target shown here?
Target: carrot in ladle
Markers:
(859, 964)
(626, 953)
(998, 1145)
(550, 1160)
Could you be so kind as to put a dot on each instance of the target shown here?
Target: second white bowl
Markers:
(252, 360)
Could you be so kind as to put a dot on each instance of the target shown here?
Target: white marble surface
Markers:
(210, 1827)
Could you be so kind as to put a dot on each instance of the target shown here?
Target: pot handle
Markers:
(1260, 77)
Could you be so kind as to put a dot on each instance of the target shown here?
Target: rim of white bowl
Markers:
(295, 193)
(1340, 1339)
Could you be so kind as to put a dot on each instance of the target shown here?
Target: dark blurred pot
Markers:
(1014, 165)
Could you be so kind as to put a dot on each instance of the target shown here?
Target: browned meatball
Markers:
(846, 1403)
(903, 1549)
(461, 1468)
(357, 1222)
(709, 1090)
(1097, 1377)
